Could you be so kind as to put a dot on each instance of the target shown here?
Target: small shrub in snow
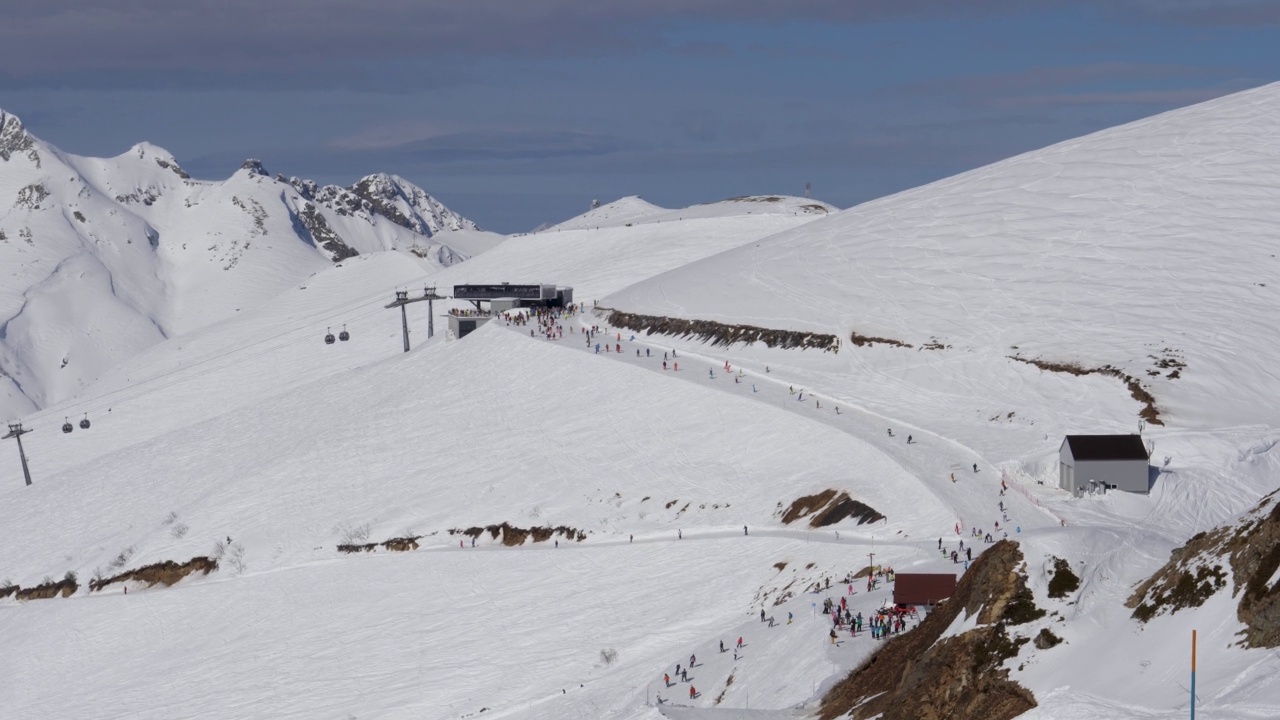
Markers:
(235, 558)
(170, 519)
(608, 656)
(179, 531)
(355, 535)
(219, 549)
(119, 560)
(71, 578)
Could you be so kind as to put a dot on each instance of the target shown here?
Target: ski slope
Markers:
(249, 430)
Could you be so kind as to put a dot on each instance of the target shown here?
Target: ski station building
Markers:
(1097, 463)
(500, 298)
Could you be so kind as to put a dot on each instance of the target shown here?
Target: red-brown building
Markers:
(923, 588)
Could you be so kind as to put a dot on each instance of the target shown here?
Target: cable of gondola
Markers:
(344, 335)
(328, 337)
(66, 426)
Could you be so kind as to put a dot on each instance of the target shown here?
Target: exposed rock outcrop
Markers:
(721, 334)
(828, 508)
(918, 676)
(1196, 571)
(164, 573)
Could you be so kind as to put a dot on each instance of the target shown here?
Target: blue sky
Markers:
(518, 113)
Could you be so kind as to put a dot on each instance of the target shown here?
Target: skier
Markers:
(908, 439)
(675, 367)
(664, 364)
(693, 660)
(666, 680)
(693, 692)
(646, 352)
(632, 539)
(753, 388)
(975, 467)
(721, 646)
(637, 352)
(761, 614)
(679, 534)
(739, 642)
(711, 373)
(597, 348)
(788, 617)
(684, 676)
(618, 347)
(939, 543)
(890, 432)
(744, 529)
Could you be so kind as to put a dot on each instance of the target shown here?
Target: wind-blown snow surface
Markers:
(103, 257)
(1151, 240)
(252, 429)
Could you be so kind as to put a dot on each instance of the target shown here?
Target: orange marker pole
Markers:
(1193, 675)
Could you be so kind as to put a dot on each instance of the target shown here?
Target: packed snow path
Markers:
(934, 460)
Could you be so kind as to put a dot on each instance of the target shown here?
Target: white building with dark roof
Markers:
(1097, 463)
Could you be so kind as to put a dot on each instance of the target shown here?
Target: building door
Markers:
(1066, 477)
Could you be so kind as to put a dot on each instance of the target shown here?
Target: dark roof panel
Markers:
(923, 588)
(1107, 447)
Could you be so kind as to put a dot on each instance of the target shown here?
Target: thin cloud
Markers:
(65, 37)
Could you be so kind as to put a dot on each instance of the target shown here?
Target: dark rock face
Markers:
(14, 139)
(323, 235)
(1195, 572)
(918, 676)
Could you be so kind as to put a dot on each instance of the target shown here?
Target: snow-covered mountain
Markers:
(103, 257)
(635, 210)
(541, 525)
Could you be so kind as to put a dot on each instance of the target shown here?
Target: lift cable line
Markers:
(16, 432)
(403, 299)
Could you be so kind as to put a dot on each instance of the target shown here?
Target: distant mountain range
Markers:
(103, 257)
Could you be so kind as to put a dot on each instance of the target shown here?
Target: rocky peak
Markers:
(408, 205)
(14, 139)
(254, 166)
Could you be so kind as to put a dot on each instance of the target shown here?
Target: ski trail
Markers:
(930, 465)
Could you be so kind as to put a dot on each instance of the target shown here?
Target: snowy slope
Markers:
(1149, 242)
(252, 429)
(103, 257)
(634, 210)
